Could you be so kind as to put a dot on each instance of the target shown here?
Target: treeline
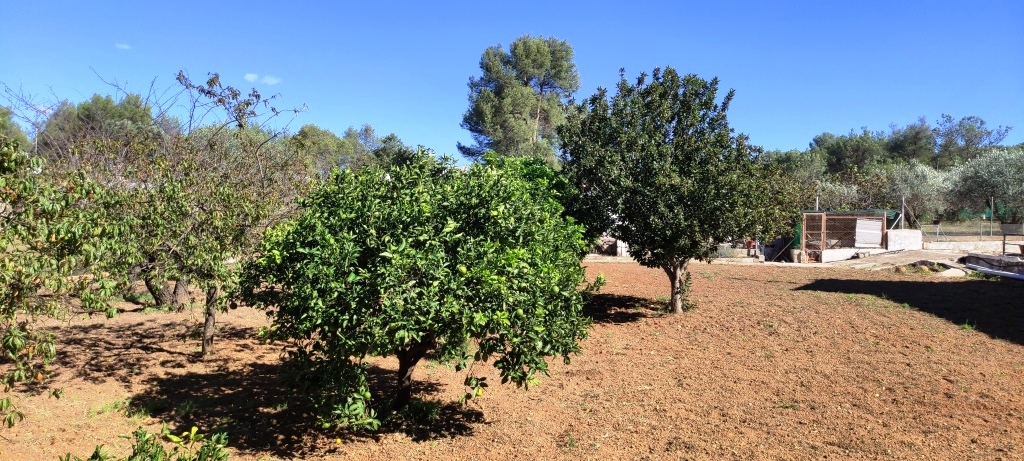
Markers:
(70, 135)
(926, 166)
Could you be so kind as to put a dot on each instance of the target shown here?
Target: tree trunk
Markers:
(536, 123)
(163, 295)
(211, 321)
(680, 289)
(181, 295)
(407, 360)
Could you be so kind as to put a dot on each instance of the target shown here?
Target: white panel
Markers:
(869, 233)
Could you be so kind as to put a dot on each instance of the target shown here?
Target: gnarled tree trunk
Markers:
(163, 294)
(181, 296)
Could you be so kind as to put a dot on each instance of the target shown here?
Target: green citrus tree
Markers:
(660, 158)
(474, 265)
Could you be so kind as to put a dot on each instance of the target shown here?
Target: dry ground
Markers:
(774, 363)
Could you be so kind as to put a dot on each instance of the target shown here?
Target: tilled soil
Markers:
(773, 363)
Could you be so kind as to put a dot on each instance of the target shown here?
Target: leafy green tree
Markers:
(914, 142)
(94, 131)
(515, 106)
(390, 151)
(415, 259)
(998, 174)
(661, 157)
(56, 236)
(208, 195)
(964, 139)
(922, 188)
(805, 170)
(10, 128)
(324, 150)
(357, 145)
(857, 189)
(851, 151)
(321, 149)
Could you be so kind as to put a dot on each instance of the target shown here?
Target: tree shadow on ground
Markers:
(260, 412)
(991, 307)
(611, 308)
(109, 351)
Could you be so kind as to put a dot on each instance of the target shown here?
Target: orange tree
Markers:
(473, 265)
(660, 159)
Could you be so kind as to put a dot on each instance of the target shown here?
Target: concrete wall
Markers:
(837, 254)
(904, 239)
(974, 247)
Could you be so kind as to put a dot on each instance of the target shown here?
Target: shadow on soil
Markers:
(97, 353)
(256, 407)
(991, 307)
(609, 308)
(258, 411)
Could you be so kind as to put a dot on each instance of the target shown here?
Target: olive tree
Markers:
(920, 187)
(474, 265)
(998, 174)
(661, 159)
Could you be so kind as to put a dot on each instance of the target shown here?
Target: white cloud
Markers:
(270, 80)
(122, 46)
(251, 77)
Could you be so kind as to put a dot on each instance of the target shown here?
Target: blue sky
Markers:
(798, 68)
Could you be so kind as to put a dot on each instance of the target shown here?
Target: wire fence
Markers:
(946, 231)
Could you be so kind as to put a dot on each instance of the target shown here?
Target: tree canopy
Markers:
(84, 132)
(10, 129)
(661, 158)
(55, 239)
(518, 101)
(964, 139)
(424, 257)
(997, 175)
(323, 150)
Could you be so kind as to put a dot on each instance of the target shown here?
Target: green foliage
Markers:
(923, 188)
(964, 139)
(54, 241)
(389, 151)
(856, 189)
(540, 174)
(998, 174)
(914, 142)
(98, 131)
(203, 196)
(515, 106)
(473, 265)
(323, 150)
(660, 157)
(188, 446)
(852, 151)
(803, 167)
(10, 128)
(868, 169)
(99, 454)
